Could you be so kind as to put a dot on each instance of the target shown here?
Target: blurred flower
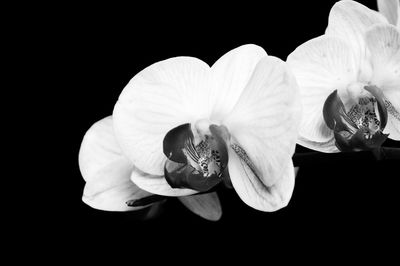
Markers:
(349, 81)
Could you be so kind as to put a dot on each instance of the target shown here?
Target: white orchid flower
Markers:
(187, 126)
(108, 172)
(391, 10)
(349, 81)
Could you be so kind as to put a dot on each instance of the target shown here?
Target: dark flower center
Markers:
(361, 127)
(364, 117)
(196, 160)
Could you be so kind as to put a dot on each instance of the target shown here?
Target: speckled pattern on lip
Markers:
(361, 127)
(196, 160)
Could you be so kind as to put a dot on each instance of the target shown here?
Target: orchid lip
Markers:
(359, 128)
(196, 159)
(174, 143)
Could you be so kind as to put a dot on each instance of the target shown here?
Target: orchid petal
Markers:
(296, 171)
(392, 98)
(206, 205)
(393, 128)
(383, 41)
(263, 128)
(392, 103)
(327, 146)
(390, 9)
(161, 97)
(320, 66)
(106, 171)
(230, 75)
(157, 184)
(254, 192)
(380, 102)
(349, 21)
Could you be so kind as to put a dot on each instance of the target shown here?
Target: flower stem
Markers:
(145, 201)
(302, 159)
(313, 158)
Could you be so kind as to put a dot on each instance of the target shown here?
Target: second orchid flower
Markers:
(349, 81)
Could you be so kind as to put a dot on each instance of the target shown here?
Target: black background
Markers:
(337, 204)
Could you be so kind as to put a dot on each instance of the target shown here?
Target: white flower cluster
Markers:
(180, 126)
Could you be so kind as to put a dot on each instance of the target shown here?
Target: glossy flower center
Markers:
(363, 116)
(196, 156)
(359, 128)
(204, 157)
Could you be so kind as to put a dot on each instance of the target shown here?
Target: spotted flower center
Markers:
(203, 157)
(359, 128)
(363, 116)
(197, 157)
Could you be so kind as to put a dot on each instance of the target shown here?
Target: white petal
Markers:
(383, 41)
(390, 9)
(206, 206)
(106, 171)
(254, 192)
(349, 20)
(296, 171)
(230, 75)
(327, 146)
(392, 98)
(264, 124)
(393, 107)
(157, 184)
(393, 128)
(392, 103)
(162, 96)
(320, 66)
